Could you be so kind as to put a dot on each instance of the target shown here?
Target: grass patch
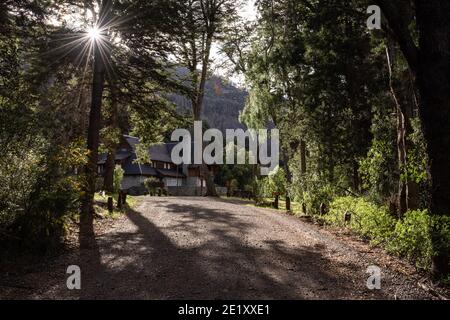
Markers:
(296, 207)
(101, 205)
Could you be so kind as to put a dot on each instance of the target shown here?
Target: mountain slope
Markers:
(222, 105)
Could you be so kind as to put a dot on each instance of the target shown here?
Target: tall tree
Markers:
(39, 128)
(309, 80)
(101, 55)
(430, 63)
(404, 96)
(204, 22)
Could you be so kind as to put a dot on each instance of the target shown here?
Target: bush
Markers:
(409, 237)
(38, 195)
(317, 193)
(118, 177)
(233, 187)
(413, 237)
(377, 171)
(152, 184)
(367, 219)
(275, 183)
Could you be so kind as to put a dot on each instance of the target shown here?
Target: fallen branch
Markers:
(431, 290)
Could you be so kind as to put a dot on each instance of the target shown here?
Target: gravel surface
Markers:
(201, 248)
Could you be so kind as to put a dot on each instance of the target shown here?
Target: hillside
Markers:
(222, 105)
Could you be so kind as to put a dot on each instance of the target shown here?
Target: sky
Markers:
(249, 11)
(220, 66)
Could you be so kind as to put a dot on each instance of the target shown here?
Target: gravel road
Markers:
(201, 248)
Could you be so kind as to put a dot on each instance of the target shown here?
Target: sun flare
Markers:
(94, 33)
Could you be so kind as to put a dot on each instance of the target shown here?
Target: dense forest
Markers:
(364, 115)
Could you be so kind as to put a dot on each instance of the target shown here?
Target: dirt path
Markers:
(198, 248)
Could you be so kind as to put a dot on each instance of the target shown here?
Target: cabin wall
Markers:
(132, 182)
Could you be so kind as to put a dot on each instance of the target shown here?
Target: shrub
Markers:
(233, 186)
(152, 184)
(272, 184)
(38, 195)
(248, 188)
(118, 177)
(369, 220)
(413, 237)
(377, 170)
(317, 193)
(409, 237)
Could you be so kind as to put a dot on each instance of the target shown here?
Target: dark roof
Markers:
(170, 173)
(132, 168)
(160, 152)
(132, 141)
(157, 152)
(123, 155)
(163, 152)
(120, 156)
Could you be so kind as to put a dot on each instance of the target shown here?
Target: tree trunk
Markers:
(402, 156)
(120, 202)
(93, 140)
(407, 197)
(288, 203)
(108, 182)
(434, 85)
(209, 182)
(210, 186)
(110, 205)
(356, 179)
(303, 170)
(255, 171)
(303, 157)
(94, 131)
(288, 174)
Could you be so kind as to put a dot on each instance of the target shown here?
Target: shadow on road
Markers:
(217, 263)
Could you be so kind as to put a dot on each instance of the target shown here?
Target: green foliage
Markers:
(416, 169)
(152, 184)
(413, 237)
(248, 188)
(233, 186)
(273, 184)
(410, 237)
(38, 136)
(111, 137)
(39, 194)
(118, 177)
(377, 170)
(369, 220)
(243, 174)
(318, 191)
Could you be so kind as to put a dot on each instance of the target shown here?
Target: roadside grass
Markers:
(407, 238)
(101, 205)
(296, 207)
